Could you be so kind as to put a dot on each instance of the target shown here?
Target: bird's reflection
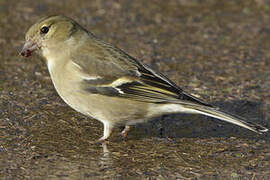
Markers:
(106, 160)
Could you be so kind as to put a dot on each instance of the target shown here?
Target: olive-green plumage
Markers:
(102, 81)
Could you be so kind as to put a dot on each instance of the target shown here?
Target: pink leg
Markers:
(124, 133)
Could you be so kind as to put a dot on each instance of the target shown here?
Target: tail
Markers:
(214, 112)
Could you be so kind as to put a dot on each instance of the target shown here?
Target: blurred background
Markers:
(218, 50)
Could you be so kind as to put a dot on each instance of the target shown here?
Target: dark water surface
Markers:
(219, 50)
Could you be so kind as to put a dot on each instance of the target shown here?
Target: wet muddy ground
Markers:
(219, 50)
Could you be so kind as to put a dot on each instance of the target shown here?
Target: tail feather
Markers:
(214, 112)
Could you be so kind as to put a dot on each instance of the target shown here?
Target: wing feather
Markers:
(123, 76)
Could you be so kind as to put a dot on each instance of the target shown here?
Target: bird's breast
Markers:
(66, 85)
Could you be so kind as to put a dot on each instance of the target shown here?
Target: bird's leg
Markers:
(125, 131)
(107, 132)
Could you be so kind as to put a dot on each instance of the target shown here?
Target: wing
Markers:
(109, 71)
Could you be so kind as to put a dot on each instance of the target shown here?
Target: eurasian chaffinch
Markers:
(100, 80)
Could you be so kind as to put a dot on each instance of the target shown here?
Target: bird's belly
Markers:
(77, 100)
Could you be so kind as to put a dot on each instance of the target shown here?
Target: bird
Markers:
(103, 82)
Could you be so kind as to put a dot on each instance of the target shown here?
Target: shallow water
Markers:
(219, 50)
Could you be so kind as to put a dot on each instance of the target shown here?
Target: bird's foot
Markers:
(106, 134)
(124, 133)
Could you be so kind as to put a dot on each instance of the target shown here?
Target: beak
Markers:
(28, 48)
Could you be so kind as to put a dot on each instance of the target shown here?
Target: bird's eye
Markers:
(44, 29)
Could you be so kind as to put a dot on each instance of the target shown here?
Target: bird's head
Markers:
(48, 33)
